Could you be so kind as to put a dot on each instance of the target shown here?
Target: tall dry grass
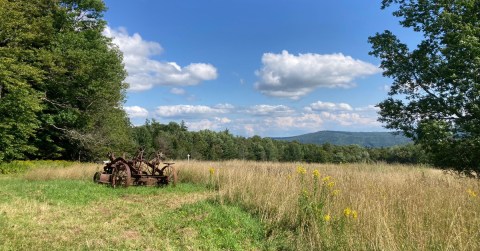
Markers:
(397, 207)
(75, 171)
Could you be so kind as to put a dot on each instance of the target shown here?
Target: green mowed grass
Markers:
(81, 215)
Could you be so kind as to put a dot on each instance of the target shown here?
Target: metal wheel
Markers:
(171, 173)
(96, 177)
(121, 176)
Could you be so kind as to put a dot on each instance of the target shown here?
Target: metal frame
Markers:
(119, 172)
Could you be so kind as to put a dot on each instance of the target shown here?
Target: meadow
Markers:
(242, 205)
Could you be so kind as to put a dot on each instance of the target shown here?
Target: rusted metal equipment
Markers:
(119, 172)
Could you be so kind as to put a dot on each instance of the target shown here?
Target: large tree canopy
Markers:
(61, 81)
(435, 94)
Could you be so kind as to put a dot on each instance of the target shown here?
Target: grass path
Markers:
(80, 215)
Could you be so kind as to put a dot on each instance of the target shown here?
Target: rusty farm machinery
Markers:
(120, 172)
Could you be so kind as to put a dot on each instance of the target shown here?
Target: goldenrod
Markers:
(316, 174)
(347, 211)
(327, 217)
(471, 192)
(354, 214)
(301, 170)
(331, 184)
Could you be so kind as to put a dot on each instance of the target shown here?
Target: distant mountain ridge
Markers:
(366, 139)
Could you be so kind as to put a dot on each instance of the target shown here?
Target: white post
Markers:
(188, 157)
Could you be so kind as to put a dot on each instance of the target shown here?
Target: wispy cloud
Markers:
(291, 76)
(369, 108)
(178, 91)
(145, 72)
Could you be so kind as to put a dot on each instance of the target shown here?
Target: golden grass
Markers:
(77, 171)
(399, 207)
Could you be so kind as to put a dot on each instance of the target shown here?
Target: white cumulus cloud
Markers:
(328, 106)
(309, 121)
(350, 119)
(145, 72)
(269, 110)
(136, 111)
(189, 111)
(292, 76)
(217, 123)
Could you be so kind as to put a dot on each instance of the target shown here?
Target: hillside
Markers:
(367, 139)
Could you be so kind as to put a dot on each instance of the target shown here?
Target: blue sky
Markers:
(268, 68)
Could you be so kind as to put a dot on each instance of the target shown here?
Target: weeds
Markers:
(352, 206)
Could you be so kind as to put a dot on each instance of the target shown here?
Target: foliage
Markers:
(61, 82)
(434, 94)
(20, 52)
(177, 142)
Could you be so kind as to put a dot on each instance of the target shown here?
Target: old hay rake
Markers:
(119, 172)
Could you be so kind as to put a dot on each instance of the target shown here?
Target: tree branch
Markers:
(55, 103)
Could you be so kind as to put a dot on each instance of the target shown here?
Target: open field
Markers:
(61, 208)
(239, 205)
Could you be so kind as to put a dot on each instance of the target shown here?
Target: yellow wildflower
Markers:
(326, 179)
(331, 184)
(471, 192)
(316, 174)
(327, 217)
(211, 170)
(301, 170)
(289, 177)
(347, 211)
(335, 192)
(354, 214)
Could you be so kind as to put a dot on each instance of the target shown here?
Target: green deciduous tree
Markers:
(435, 94)
(61, 81)
(24, 32)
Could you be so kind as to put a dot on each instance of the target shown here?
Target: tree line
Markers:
(176, 142)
